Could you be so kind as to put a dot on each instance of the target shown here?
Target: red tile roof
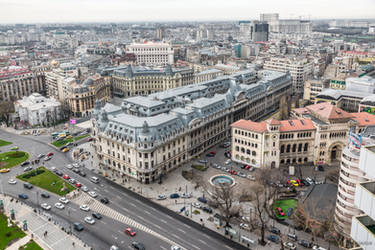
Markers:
(250, 125)
(328, 111)
(296, 125)
(300, 110)
(273, 121)
(364, 119)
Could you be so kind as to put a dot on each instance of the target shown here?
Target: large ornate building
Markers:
(150, 53)
(149, 136)
(317, 133)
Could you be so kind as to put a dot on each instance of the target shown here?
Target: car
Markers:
(81, 173)
(138, 245)
(176, 248)
(280, 211)
(130, 232)
(316, 247)
(65, 150)
(69, 166)
(50, 154)
(305, 243)
(113, 247)
(321, 168)
(289, 245)
(305, 182)
(196, 205)
(228, 155)
(251, 177)
(226, 144)
(273, 238)
(4, 170)
(64, 200)
(209, 155)
(72, 181)
(75, 165)
(23, 196)
(78, 185)
(12, 181)
(227, 162)
(202, 199)
(25, 163)
(309, 180)
(104, 200)
(293, 183)
(243, 166)
(59, 173)
(45, 206)
(161, 197)
(45, 195)
(232, 171)
(47, 158)
(90, 139)
(59, 205)
(251, 169)
(84, 207)
(28, 168)
(207, 210)
(93, 194)
(224, 169)
(203, 161)
(213, 152)
(94, 179)
(275, 230)
(28, 185)
(183, 195)
(240, 174)
(84, 188)
(14, 148)
(299, 182)
(40, 156)
(174, 196)
(89, 220)
(97, 216)
(76, 170)
(292, 236)
(69, 137)
(66, 177)
(245, 226)
(77, 226)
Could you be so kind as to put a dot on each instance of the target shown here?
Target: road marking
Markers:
(156, 225)
(195, 246)
(119, 231)
(186, 225)
(114, 237)
(202, 241)
(140, 217)
(163, 221)
(147, 212)
(126, 210)
(179, 229)
(228, 247)
(178, 237)
(105, 223)
(163, 248)
(153, 209)
(132, 204)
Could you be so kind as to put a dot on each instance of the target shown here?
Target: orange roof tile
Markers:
(301, 110)
(328, 111)
(364, 119)
(273, 121)
(296, 125)
(250, 125)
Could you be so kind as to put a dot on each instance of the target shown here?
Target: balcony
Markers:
(363, 231)
(367, 158)
(365, 197)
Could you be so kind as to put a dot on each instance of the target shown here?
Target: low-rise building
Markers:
(149, 136)
(37, 110)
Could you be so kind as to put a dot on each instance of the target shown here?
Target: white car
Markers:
(245, 226)
(84, 188)
(176, 248)
(59, 205)
(69, 166)
(228, 162)
(251, 177)
(289, 245)
(89, 220)
(93, 194)
(183, 195)
(84, 207)
(12, 181)
(161, 197)
(196, 205)
(240, 174)
(64, 200)
(45, 206)
(72, 181)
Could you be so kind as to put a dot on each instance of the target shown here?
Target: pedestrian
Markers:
(73, 243)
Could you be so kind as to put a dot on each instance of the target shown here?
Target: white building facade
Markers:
(152, 54)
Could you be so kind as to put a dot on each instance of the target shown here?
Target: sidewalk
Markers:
(37, 226)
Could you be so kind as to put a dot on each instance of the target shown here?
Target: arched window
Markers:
(282, 148)
(300, 147)
(305, 159)
(248, 151)
(282, 161)
(237, 148)
(294, 147)
(305, 148)
(254, 153)
(288, 161)
(288, 148)
(243, 150)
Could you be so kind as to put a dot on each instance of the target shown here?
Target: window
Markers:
(282, 149)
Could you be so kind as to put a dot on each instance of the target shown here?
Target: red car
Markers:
(247, 167)
(213, 152)
(66, 177)
(78, 185)
(130, 231)
(280, 211)
(50, 154)
(299, 182)
(90, 139)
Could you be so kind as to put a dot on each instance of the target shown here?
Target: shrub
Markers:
(196, 212)
(8, 234)
(17, 154)
(33, 173)
(199, 167)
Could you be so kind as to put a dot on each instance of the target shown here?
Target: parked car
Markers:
(161, 197)
(59, 173)
(183, 195)
(25, 163)
(130, 232)
(23, 196)
(207, 210)
(81, 173)
(28, 168)
(76, 170)
(203, 161)
(84, 189)
(45, 195)
(66, 177)
(196, 205)
(201, 199)
(72, 181)
(97, 216)
(311, 181)
(47, 158)
(292, 237)
(78, 185)
(227, 162)
(64, 200)
(4, 170)
(305, 243)
(240, 174)
(50, 154)
(280, 211)
(290, 245)
(28, 185)
(138, 245)
(40, 156)
(245, 226)
(69, 166)
(275, 230)
(45, 206)
(273, 238)
(210, 155)
(174, 196)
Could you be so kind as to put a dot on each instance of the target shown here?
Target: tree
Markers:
(6, 109)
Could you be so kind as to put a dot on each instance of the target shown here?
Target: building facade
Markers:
(315, 134)
(36, 110)
(312, 88)
(151, 54)
(301, 69)
(149, 136)
(258, 31)
(17, 82)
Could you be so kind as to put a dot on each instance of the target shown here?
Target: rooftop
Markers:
(328, 111)
(296, 125)
(144, 101)
(259, 127)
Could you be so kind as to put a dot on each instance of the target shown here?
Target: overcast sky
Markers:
(25, 11)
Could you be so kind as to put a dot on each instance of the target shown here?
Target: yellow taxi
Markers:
(69, 137)
(65, 150)
(4, 170)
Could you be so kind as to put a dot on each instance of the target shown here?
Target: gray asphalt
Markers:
(108, 232)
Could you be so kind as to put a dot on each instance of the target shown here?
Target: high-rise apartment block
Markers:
(258, 31)
(151, 53)
(286, 26)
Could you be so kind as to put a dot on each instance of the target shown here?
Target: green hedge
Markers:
(32, 173)
(199, 167)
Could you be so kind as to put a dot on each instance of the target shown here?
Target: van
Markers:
(94, 179)
(292, 237)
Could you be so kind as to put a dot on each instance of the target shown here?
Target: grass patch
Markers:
(196, 212)
(64, 142)
(12, 158)
(8, 234)
(31, 245)
(285, 205)
(4, 143)
(199, 167)
(47, 180)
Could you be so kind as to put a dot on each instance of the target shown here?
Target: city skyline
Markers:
(43, 11)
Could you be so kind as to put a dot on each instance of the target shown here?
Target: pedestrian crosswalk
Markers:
(96, 206)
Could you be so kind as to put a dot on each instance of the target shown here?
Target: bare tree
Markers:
(261, 216)
(6, 109)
